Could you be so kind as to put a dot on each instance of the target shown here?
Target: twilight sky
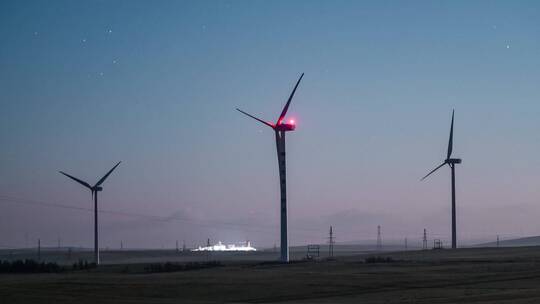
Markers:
(84, 84)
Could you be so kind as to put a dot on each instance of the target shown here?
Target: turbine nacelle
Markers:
(453, 161)
(285, 126)
(97, 189)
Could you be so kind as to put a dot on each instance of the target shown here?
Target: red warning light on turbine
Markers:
(292, 121)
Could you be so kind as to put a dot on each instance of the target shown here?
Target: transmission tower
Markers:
(424, 240)
(379, 240)
(331, 242)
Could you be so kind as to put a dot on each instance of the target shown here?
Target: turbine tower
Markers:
(280, 127)
(94, 190)
(451, 162)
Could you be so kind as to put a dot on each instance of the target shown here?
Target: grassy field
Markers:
(479, 275)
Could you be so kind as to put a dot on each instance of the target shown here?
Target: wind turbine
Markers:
(280, 127)
(452, 163)
(94, 190)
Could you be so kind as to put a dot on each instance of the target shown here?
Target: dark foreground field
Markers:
(482, 275)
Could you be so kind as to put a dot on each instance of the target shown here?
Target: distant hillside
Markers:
(526, 241)
(356, 248)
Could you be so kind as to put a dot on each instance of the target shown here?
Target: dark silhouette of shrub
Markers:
(83, 265)
(28, 266)
(172, 267)
(378, 259)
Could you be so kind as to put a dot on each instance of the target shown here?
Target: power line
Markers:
(379, 239)
(424, 240)
(331, 241)
(208, 224)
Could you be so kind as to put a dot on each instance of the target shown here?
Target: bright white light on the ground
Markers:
(232, 247)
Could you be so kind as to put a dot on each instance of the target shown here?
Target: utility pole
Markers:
(183, 245)
(331, 243)
(379, 240)
(177, 246)
(424, 241)
(497, 240)
(405, 243)
(208, 249)
(39, 249)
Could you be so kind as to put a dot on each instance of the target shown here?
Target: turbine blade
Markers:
(451, 139)
(258, 119)
(284, 112)
(106, 175)
(433, 171)
(77, 180)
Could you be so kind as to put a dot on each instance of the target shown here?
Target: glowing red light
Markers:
(291, 121)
